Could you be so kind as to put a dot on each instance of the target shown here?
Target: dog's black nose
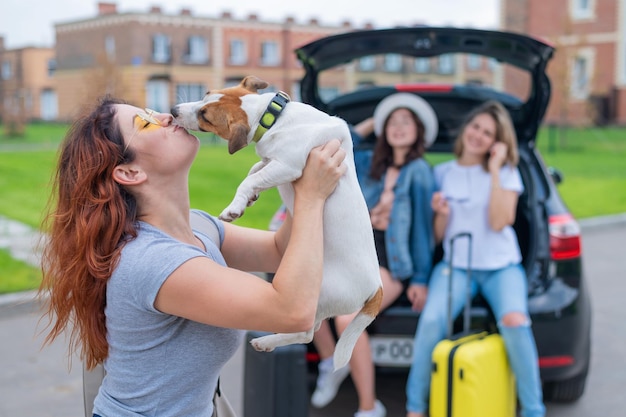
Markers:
(174, 111)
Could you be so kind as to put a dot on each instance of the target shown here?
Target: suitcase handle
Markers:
(468, 291)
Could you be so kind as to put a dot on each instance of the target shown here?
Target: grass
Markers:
(26, 167)
(16, 275)
(591, 161)
(214, 178)
(24, 184)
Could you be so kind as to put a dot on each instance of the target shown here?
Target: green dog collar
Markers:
(274, 109)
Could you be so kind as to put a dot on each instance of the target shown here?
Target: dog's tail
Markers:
(345, 344)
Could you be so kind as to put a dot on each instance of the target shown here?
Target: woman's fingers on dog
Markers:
(338, 154)
(332, 145)
(333, 152)
(323, 169)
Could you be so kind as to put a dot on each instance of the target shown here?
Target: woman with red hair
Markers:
(157, 302)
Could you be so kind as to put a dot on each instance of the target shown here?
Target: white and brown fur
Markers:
(351, 280)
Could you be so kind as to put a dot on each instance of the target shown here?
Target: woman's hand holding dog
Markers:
(323, 169)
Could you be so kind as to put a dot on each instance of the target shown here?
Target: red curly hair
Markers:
(89, 219)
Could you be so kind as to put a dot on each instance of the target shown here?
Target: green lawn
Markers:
(591, 161)
(16, 275)
(26, 167)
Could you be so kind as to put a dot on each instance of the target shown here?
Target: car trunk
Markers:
(452, 104)
(521, 59)
(521, 53)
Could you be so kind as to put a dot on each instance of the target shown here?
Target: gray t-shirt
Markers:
(158, 364)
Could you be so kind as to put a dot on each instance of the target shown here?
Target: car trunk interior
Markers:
(452, 108)
(451, 111)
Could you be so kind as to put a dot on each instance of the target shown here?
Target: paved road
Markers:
(605, 265)
(37, 383)
(34, 382)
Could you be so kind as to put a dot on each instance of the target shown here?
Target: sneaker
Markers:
(379, 410)
(328, 383)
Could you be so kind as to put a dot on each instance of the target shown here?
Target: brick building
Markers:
(156, 60)
(588, 71)
(27, 86)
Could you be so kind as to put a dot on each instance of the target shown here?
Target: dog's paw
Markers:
(229, 214)
(253, 200)
(264, 343)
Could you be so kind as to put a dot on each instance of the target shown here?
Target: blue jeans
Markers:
(506, 292)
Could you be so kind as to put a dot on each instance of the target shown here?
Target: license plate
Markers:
(394, 351)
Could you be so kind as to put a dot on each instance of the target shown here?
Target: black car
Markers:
(456, 70)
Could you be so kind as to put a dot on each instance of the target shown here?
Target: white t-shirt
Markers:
(467, 189)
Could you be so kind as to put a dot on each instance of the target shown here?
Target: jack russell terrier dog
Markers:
(284, 133)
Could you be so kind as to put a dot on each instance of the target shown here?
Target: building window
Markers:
(295, 91)
(270, 89)
(446, 64)
(582, 9)
(7, 70)
(393, 62)
(422, 65)
(197, 50)
(365, 84)
(161, 49)
(52, 67)
(232, 82)
(367, 63)
(189, 92)
(581, 76)
(473, 62)
(237, 52)
(492, 64)
(109, 47)
(269, 53)
(158, 95)
(328, 93)
(49, 104)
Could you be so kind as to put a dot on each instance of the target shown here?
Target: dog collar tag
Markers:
(274, 109)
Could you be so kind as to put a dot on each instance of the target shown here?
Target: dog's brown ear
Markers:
(253, 84)
(238, 137)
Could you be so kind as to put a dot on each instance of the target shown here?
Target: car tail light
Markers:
(424, 88)
(555, 361)
(564, 237)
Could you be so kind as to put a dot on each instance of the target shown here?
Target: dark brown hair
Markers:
(383, 152)
(89, 217)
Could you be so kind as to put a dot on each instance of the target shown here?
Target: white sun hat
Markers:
(414, 103)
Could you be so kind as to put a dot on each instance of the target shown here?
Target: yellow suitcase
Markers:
(470, 375)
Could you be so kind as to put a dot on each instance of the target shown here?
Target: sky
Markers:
(31, 22)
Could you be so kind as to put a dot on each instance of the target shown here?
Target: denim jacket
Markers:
(409, 238)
